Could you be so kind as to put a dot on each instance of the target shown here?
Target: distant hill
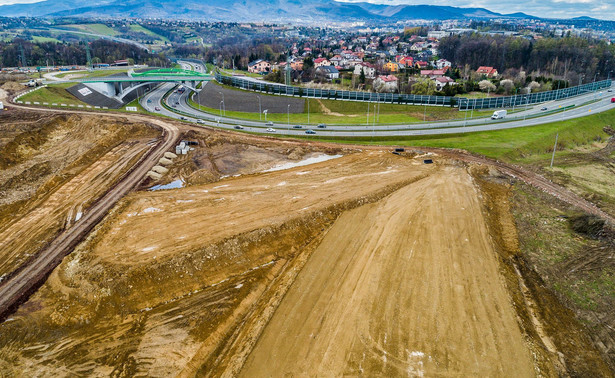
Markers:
(247, 10)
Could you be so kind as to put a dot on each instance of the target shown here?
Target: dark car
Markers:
(239, 127)
(310, 132)
(543, 108)
(297, 127)
(183, 118)
(322, 126)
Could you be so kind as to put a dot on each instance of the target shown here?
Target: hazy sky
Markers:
(603, 9)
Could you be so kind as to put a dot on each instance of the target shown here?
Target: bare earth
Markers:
(405, 286)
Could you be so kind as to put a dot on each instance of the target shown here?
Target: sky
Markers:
(602, 9)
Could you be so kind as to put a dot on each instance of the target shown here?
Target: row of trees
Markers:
(571, 58)
(62, 54)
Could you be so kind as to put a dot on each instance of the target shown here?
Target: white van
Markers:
(499, 114)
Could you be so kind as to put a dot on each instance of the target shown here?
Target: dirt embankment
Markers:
(152, 303)
(217, 156)
(51, 169)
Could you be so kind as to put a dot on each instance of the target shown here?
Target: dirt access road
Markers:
(406, 286)
(17, 287)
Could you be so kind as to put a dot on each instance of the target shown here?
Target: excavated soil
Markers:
(368, 264)
(51, 169)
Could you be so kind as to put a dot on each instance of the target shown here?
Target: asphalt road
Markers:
(179, 103)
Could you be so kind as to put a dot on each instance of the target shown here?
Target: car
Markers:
(543, 108)
(610, 90)
(183, 118)
(239, 127)
(612, 100)
(200, 121)
(176, 102)
(157, 108)
(175, 106)
(269, 123)
(310, 132)
(149, 100)
(322, 126)
(297, 127)
(270, 130)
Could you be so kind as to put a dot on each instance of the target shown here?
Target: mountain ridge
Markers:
(248, 10)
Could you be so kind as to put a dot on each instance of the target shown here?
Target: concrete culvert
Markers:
(170, 155)
(165, 161)
(154, 175)
(160, 169)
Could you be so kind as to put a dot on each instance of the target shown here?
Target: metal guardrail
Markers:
(406, 99)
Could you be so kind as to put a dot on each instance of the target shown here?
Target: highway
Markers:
(587, 104)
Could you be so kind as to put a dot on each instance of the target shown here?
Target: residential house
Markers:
(406, 61)
(321, 62)
(336, 60)
(432, 74)
(441, 63)
(487, 71)
(391, 67)
(368, 69)
(386, 83)
(443, 81)
(259, 66)
(297, 65)
(421, 64)
(329, 72)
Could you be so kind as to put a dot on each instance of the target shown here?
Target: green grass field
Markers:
(40, 39)
(94, 28)
(96, 73)
(51, 94)
(229, 71)
(140, 29)
(519, 145)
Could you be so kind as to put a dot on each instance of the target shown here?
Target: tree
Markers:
(532, 87)
(362, 76)
(424, 86)
(486, 86)
(507, 85)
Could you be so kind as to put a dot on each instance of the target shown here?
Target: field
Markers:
(55, 93)
(93, 28)
(244, 105)
(141, 29)
(95, 73)
(365, 263)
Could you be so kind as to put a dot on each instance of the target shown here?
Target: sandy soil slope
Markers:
(406, 286)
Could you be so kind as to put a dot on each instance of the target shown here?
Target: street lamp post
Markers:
(223, 103)
(288, 116)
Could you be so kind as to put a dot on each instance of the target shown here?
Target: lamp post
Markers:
(260, 112)
(223, 103)
(288, 116)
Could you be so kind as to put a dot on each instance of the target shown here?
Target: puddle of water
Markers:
(172, 185)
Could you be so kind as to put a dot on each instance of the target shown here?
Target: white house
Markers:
(441, 63)
(385, 83)
(368, 69)
(259, 66)
(329, 72)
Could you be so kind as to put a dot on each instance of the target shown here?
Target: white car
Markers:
(200, 121)
(270, 130)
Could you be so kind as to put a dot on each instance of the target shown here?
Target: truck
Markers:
(499, 114)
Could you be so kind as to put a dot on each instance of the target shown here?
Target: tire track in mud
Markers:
(25, 281)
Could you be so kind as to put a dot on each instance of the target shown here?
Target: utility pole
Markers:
(88, 56)
(554, 147)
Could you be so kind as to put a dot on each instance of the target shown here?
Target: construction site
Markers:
(148, 247)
